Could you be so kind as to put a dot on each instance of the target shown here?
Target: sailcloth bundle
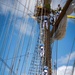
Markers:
(60, 33)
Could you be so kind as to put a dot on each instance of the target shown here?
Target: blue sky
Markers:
(16, 30)
(18, 33)
(65, 47)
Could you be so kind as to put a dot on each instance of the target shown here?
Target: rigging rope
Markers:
(29, 48)
(6, 35)
(21, 49)
(14, 55)
(10, 41)
(4, 23)
(69, 56)
(21, 36)
(33, 60)
(56, 55)
(22, 45)
(18, 42)
(73, 69)
(27, 51)
(4, 27)
(6, 64)
(15, 7)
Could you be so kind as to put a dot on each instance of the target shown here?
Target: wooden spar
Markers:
(47, 46)
(48, 52)
(48, 35)
(60, 17)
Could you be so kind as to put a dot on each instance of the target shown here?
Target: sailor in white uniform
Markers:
(42, 52)
(45, 22)
(51, 18)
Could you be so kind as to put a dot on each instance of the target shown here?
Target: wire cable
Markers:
(6, 64)
(24, 11)
(73, 69)
(69, 56)
(22, 45)
(16, 57)
(56, 55)
(29, 14)
(6, 35)
(4, 24)
(29, 47)
(10, 40)
(18, 44)
(34, 55)
(15, 7)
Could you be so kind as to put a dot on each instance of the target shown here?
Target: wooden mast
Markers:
(47, 42)
(48, 35)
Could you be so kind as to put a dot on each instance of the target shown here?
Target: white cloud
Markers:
(8, 5)
(64, 59)
(5, 8)
(61, 70)
(24, 28)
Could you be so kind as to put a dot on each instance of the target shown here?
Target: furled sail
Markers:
(60, 33)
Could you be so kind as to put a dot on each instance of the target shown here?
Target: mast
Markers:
(47, 45)
(47, 33)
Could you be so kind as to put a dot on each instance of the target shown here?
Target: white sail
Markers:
(60, 33)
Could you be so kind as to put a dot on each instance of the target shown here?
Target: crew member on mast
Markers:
(42, 52)
(59, 8)
(58, 11)
(45, 22)
(51, 18)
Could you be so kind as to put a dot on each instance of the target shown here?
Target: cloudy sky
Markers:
(17, 25)
(18, 33)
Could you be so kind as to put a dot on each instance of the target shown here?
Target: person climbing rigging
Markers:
(42, 51)
(58, 11)
(45, 22)
(45, 70)
(51, 18)
(59, 8)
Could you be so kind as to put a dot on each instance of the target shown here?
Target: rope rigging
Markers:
(6, 65)
(15, 7)
(56, 62)
(40, 64)
(69, 56)
(28, 47)
(73, 68)
(26, 21)
(34, 59)
(21, 50)
(14, 52)
(10, 42)
(6, 35)
(27, 51)
(4, 24)
(18, 41)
